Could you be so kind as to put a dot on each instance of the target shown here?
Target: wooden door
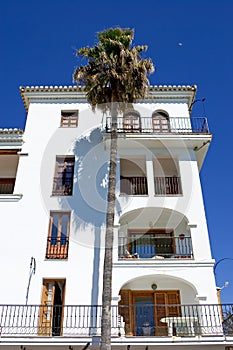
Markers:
(51, 310)
(143, 310)
(160, 123)
(131, 123)
(126, 310)
(166, 305)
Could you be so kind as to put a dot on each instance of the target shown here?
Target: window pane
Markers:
(54, 231)
(64, 228)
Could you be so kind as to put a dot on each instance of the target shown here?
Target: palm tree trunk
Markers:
(107, 269)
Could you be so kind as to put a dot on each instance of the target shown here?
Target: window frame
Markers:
(160, 117)
(63, 180)
(132, 122)
(69, 118)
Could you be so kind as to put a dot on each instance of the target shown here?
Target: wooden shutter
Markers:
(173, 297)
(51, 310)
(46, 309)
(69, 119)
(163, 309)
(126, 310)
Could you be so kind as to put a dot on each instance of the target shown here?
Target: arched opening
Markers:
(154, 233)
(151, 306)
(133, 175)
(160, 122)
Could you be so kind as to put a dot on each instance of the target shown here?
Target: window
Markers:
(152, 244)
(160, 122)
(63, 179)
(58, 235)
(131, 121)
(69, 119)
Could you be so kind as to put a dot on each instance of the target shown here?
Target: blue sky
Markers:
(38, 43)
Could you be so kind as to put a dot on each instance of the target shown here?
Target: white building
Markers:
(53, 186)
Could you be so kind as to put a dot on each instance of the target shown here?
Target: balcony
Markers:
(134, 185)
(7, 185)
(148, 320)
(175, 126)
(57, 247)
(155, 246)
(168, 185)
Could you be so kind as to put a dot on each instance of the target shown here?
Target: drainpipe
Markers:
(31, 272)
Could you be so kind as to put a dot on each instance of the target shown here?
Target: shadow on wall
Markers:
(89, 199)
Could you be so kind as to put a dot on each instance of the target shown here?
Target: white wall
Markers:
(25, 223)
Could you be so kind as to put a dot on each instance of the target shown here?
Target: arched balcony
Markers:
(155, 234)
(151, 306)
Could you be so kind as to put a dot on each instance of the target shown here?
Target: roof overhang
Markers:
(76, 94)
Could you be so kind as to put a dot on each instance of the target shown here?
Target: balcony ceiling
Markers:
(197, 143)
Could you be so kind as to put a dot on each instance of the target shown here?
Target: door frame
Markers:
(45, 281)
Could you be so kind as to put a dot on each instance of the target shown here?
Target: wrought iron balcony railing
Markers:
(155, 246)
(137, 185)
(193, 125)
(134, 185)
(62, 186)
(57, 247)
(7, 185)
(134, 320)
(167, 185)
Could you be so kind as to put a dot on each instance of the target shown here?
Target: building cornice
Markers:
(11, 137)
(10, 131)
(76, 94)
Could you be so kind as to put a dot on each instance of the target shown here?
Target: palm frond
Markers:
(115, 70)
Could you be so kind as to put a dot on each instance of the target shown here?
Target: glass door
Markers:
(144, 315)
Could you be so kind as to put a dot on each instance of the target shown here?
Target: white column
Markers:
(150, 175)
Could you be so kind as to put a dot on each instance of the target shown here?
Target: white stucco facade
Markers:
(171, 216)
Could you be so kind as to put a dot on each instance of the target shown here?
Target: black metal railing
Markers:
(177, 320)
(62, 186)
(167, 185)
(135, 320)
(193, 125)
(7, 185)
(155, 246)
(133, 185)
(57, 247)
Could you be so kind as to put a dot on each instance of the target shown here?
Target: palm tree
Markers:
(115, 75)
